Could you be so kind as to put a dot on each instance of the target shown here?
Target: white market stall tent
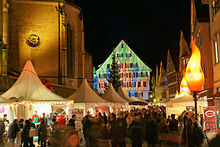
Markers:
(112, 96)
(178, 104)
(141, 99)
(32, 95)
(123, 95)
(85, 99)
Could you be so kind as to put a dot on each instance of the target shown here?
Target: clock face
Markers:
(33, 40)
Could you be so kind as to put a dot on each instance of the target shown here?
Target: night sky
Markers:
(149, 27)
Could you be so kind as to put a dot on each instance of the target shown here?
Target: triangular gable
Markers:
(126, 50)
(170, 66)
(162, 72)
(112, 96)
(29, 87)
(85, 94)
(184, 52)
(184, 49)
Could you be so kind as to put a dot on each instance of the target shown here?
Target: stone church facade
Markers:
(51, 34)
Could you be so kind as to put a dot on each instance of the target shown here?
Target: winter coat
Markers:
(189, 136)
(86, 125)
(2, 127)
(215, 142)
(136, 132)
(151, 132)
(25, 133)
(12, 130)
(117, 133)
(61, 121)
(173, 125)
(43, 132)
(71, 123)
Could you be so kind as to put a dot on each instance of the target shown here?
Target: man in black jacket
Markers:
(12, 131)
(72, 121)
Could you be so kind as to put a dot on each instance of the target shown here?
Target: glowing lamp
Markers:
(183, 86)
(194, 73)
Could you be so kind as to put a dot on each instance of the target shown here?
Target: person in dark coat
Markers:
(25, 133)
(215, 142)
(86, 125)
(151, 132)
(117, 134)
(122, 121)
(43, 133)
(20, 124)
(105, 118)
(71, 122)
(31, 139)
(12, 131)
(173, 126)
(2, 129)
(199, 135)
(136, 132)
(189, 134)
(102, 135)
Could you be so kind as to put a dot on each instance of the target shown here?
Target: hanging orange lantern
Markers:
(194, 73)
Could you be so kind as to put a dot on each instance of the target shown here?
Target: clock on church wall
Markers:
(33, 40)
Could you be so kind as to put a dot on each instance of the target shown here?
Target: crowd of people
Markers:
(51, 131)
(143, 125)
(109, 129)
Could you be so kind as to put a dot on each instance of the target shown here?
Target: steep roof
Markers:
(142, 99)
(124, 48)
(29, 87)
(112, 96)
(85, 94)
(170, 66)
(124, 96)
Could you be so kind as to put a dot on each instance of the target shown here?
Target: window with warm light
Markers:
(216, 51)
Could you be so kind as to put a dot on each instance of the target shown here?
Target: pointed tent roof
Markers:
(85, 94)
(125, 97)
(141, 99)
(112, 96)
(30, 87)
(183, 98)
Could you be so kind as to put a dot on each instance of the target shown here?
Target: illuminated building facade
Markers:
(172, 77)
(161, 88)
(135, 75)
(50, 33)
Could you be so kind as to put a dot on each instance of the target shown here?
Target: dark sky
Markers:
(149, 27)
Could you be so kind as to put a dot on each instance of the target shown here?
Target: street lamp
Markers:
(194, 73)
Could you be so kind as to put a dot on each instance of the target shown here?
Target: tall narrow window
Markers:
(139, 84)
(216, 51)
(144, 83)
(69, 50)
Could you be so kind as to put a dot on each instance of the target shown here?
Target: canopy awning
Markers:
(85, 94)
(112, 96)
(29, 87)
